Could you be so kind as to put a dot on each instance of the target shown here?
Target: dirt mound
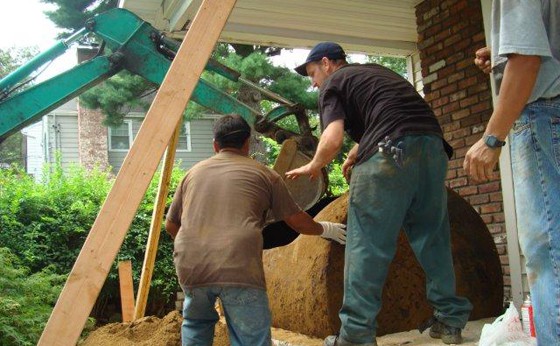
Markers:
(148, 331)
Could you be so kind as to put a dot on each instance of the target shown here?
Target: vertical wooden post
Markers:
(109, 229)
(126, 290)
(155, 227)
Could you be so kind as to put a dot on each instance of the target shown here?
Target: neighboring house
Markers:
(60, 132)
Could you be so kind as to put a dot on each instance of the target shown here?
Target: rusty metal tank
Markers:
(305, 278)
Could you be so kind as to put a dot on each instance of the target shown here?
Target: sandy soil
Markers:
(166, 332)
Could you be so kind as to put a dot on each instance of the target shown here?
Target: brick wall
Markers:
(92, 134)
(449, 32)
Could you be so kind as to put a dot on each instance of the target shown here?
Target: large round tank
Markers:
(305, 278)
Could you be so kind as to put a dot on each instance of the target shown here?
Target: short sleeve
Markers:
(176, 208)
(331, 107)
(522, 30)
(283, 205)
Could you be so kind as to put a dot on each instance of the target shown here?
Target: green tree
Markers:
(11, 149)
(73, 14)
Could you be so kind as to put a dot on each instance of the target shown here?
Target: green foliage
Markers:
(11, 148)
(122, 89)
(73, 14)
(47, 223)
(26, 300)
(12, 58)
(393, 63)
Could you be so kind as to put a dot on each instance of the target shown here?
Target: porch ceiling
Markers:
(384, 27)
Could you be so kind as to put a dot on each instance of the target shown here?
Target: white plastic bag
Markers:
(506, 330)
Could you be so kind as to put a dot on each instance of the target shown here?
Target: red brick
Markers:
(476, 87)
(448, 89)
(451, 127)
(463, 84)
(496, 197)
(467, 191)
(457, 163)
(451, 174)
(481, 107)
(489, 187)
(439, 83)
(455, 77)
(440, 102)
(463, 113)
(452, 40)
(468, 101)
(491, 208)
(451, 107)
(461, 94)
(460, 133)
(458, 182)
(473, 119)
(480, 199)
(498, 217)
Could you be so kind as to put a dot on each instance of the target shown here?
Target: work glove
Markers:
(334, 231)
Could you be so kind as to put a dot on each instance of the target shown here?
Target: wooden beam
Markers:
(109, 229)
(155, 226)
(126, 290)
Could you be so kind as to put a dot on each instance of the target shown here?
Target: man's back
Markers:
(221, 206)
(374, 102)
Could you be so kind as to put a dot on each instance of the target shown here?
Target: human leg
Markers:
(428, 231)
(535, 149)
(377, 203)
(247, 315)
(199, 317)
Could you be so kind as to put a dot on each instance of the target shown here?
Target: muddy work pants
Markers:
(385, 196)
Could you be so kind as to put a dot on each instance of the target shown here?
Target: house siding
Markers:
(62, 138)
(201, 144)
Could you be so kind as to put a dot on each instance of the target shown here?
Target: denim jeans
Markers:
(535, 153)
(246, 311)
(384, 198)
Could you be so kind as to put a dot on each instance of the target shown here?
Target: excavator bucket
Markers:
(306, 192)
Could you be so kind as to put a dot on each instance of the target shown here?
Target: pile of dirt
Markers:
(148, 331)
(145, 331)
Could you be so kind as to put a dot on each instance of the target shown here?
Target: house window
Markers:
(120, 137)
(184, 142)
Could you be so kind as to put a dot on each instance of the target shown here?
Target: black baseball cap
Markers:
(330, 50)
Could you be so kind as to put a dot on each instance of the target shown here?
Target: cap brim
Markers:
(302, 69)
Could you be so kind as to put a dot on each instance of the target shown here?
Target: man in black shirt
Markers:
(398, 168)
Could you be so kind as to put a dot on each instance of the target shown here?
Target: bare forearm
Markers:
(303, 223)
(519, 79)
(329, 144)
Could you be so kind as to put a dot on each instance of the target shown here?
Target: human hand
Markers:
(480, 161)
(482, 60)
(309, 169)
(347, 168)
(334, 231)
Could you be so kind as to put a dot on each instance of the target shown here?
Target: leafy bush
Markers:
(26, 300)
(46, 223)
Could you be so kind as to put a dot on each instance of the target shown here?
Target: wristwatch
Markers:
(493, 142)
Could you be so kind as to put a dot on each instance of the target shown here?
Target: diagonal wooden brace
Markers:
(107, 234)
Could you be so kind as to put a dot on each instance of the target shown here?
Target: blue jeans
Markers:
(384, 198)
(535, 152)
(246, 311)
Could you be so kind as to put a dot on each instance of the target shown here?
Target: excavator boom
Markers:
(129, 43)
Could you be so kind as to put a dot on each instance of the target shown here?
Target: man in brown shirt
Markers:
(216, 220)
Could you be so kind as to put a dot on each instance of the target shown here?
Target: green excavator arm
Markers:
(134, 45)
